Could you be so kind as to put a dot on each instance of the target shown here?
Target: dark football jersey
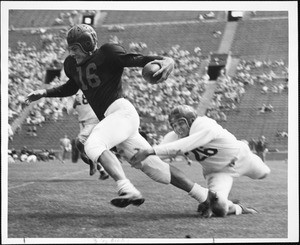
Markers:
(99, 77)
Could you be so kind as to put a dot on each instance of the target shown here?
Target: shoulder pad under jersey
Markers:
(110, 48)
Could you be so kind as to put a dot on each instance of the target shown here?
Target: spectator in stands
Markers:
(10, 157)
(261, 148)
(280, 88)
(197, 50)
(252, 144)
(266, 108)
(52, 155)
(217, 34)
(33, 132)
(269, 108)
(281, 134)
(274, 89)
(32, 158)
(66, 148)
(205, 76)
(222, 116)
(24, 154)
(43, 155)
(264, 89)
(14, 154)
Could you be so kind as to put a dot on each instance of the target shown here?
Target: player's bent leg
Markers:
(84, 157)
(180, 180)
(218, 204)
(219, 185)
(112, 165)
(251, 165)
(258, 169)
(128, 194)
(161, 171)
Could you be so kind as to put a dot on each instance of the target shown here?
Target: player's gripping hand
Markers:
(167, 66)
(35, 95)
(141, 155)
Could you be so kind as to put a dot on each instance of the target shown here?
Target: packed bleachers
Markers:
(185, 86)
(246, 109)
(186, 81)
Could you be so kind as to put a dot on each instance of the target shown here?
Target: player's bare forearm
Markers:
(141, 155)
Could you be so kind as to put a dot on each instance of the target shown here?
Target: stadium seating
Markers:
(160, 37)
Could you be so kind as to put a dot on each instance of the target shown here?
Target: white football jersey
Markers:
(208, 143)
(83, 109)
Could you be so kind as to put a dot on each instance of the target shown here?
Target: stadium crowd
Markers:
(27, 68)
(262, 74)
(26, 155)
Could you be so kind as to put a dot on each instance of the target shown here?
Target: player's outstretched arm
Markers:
(167, 66)
(35, 95)
(141, 155)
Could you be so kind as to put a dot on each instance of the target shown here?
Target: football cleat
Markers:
(204, 207)
(245, 210)
(126, 199)
(103, 175)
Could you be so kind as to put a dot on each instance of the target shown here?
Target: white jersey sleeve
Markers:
(202, 132)
(69, 105)
(169, 137)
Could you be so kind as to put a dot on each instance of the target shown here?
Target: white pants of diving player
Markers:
(120, 128)
(247, 164)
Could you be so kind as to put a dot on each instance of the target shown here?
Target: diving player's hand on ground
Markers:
(141, 155)
(35, 95)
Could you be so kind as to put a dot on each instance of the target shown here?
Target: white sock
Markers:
(238, 209)
(199, 193)
(101, 168)
(125, 185)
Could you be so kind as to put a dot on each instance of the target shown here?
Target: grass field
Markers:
(54, 200)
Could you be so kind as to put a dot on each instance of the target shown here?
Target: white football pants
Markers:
(120, 128)
(247, 164)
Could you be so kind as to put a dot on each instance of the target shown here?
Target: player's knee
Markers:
(219, 206)
(267, 172)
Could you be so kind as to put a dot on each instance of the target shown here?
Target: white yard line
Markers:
(56, 177)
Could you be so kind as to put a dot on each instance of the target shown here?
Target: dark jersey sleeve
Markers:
(68, 89)
(117, 55)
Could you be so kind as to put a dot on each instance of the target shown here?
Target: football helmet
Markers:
(183, 111)
(84, 36)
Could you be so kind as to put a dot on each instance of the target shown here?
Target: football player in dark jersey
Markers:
(97, 72)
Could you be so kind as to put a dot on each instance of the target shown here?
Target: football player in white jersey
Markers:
(87, 121)
(221, 155)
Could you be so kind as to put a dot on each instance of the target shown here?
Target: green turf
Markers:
(54, 200)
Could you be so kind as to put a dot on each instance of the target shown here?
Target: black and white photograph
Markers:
(149, 122)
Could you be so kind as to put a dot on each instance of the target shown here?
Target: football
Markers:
(148, 72)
